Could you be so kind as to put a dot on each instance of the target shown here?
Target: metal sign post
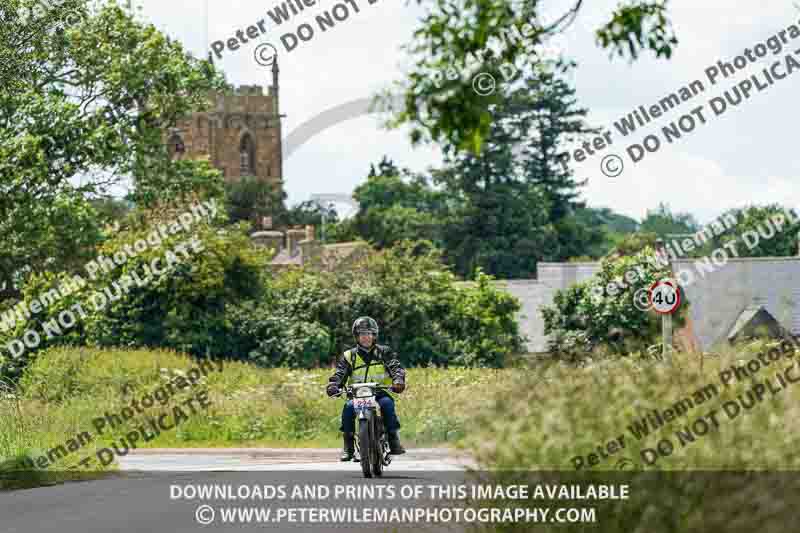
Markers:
(665, 297)
(666, 333)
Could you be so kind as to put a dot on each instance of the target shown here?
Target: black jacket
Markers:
(379, 351)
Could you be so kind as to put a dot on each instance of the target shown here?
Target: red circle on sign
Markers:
(675, 288)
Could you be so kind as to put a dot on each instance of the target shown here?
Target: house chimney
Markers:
(293, 238)
(310, 250)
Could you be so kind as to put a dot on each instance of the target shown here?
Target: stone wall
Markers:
(562, 275)
(533, 294)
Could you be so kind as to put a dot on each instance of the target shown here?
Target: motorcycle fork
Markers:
(383, 437)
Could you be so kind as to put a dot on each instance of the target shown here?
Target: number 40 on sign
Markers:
(665, 297)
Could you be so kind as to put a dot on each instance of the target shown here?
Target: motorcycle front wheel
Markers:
(377, 444)
(365, 445)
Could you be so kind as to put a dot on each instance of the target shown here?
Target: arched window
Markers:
(246, 156)
(176, 146)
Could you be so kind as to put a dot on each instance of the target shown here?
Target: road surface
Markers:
(282, 459)
(157, 492)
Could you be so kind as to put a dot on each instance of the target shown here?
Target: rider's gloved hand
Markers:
(398, 387)
(332, 390)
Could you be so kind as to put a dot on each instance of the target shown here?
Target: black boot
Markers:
(395, 448)
(349, 448)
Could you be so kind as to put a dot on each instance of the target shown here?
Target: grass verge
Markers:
(548, 417)
(728, 443)
(66, 390)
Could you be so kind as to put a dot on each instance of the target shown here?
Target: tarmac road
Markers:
(282, 459)
(148, 496)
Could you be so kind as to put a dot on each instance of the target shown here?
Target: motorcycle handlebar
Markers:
(349, 390)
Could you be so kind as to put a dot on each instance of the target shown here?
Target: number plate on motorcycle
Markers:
(363, 403)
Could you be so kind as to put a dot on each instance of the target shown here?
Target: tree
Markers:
(515, 202)
(341, 231)
(763, 231)
(110, 209)
(615, 228)
(384, 228)
(390, 186)
(662, 221)
(588, 315)
(86, 95)
(250, 199)
(58, 235)
(311, 212)
(385, 168)
(546, 113)
(634, 243)
(603, 216)
(482, 36)
(395, 205)
(501, 230)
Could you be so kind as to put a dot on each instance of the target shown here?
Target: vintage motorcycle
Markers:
(372, 443)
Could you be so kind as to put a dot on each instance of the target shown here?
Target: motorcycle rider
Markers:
(367, 362)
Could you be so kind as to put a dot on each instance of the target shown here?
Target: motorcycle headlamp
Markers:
(363, 392)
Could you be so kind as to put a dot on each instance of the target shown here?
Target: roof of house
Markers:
(751, 319)
(332, 254)
(285, 258)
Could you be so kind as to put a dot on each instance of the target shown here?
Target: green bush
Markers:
(424, 313)
(273, 337)
(484, 325)
(46, 327)
(587, 315)
(184, 309)
(219, 301)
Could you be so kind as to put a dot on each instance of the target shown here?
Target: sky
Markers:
(739, 158)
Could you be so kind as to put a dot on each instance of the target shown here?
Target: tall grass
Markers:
(66, 388)
(547, 416)
(731, 478)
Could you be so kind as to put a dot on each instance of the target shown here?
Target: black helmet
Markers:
(365, 324)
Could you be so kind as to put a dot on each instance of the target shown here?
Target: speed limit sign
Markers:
(665, 297)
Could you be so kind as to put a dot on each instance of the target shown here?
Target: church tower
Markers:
(240, 133)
